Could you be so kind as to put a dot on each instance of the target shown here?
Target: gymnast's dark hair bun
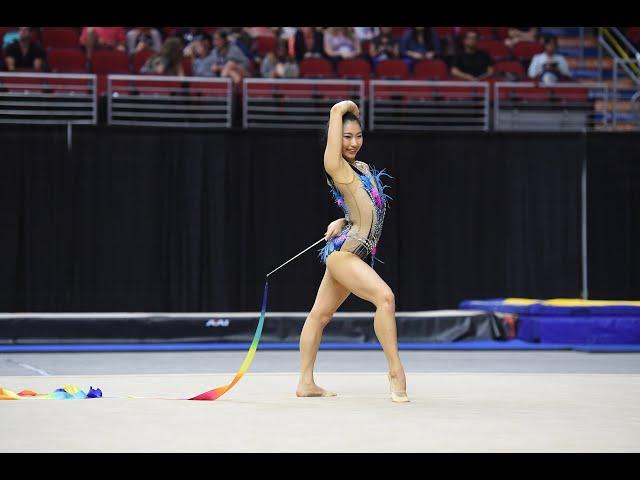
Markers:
(347, 117)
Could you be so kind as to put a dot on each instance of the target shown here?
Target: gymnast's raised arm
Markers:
(333, 152)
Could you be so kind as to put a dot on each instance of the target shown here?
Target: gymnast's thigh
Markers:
(331, 294)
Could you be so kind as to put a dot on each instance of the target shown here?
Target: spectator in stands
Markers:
(279, 64)
(225, 60)
(198, 50)
(384, 46)
(341, 43)
(521, 34)
(239, 37)
(9, 37)
(285, 33)
(168, 61)
(307, 42)
(549, 67)
(472, 64)
(24, 52)
(187, 35)
(262, 31)
(110, 38)
(366, 33)
(418, 43)
(143, 38)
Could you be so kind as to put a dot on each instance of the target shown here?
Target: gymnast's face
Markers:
(351, 140)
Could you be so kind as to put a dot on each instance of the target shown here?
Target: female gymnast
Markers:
(359, 192)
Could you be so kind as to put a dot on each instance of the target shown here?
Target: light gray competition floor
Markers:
(478, 401)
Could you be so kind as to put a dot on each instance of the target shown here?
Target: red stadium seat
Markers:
(67, 60)
(397, 32)
(109, 61)
(443, 31)
(187, 66)
(495, 48)
(502, 32)
(105, 62)
(526, 50)
(516, 69)
(60, 38)
(486, 33)
(354, 68)
(430, 70)
(392, 69)
(316, 68)
(265, 44)
(139, 59)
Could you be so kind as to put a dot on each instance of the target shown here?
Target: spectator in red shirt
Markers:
(111, 38)
(24, 52)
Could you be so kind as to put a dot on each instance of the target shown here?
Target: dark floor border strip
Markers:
(160, 347)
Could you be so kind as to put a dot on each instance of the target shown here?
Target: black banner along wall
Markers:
(188, 221)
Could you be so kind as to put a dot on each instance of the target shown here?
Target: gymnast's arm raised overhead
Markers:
(333, 161)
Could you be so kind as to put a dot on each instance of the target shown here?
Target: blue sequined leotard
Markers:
(364, 204)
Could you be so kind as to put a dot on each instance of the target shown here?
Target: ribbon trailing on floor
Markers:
(69, 392)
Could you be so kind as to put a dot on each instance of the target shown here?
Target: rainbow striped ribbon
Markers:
(218, 392)
(74, 392)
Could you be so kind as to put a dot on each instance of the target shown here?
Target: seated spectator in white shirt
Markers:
(548, 66)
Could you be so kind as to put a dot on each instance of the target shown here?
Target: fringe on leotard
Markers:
(381, 201)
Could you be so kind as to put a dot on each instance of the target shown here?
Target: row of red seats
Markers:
(393, 69)
(67, 60)
(68, 37)
(108, 62)
(316, 91)
(484, 33)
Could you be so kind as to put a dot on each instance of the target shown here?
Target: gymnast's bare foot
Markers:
(398, 386)
(312, 390)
